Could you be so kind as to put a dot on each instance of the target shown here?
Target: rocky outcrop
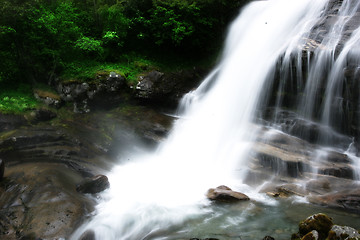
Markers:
(225, 194)
(167, 88)
(294, 87)
(104, 91)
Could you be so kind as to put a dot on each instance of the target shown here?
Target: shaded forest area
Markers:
(44, 39)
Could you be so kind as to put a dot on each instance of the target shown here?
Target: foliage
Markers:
(89, 45)
(40, 39)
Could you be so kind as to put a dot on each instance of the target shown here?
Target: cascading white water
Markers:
(208, 145)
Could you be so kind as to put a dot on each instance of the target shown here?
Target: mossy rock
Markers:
(313, 235)
(319, 222)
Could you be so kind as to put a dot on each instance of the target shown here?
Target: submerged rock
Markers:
(268, 238)
(93, 185)
(204, 239)
(225, 194)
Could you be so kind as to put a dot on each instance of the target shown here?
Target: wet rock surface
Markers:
(93, 185)
(40, 200)
(294, 167)
(45, 160)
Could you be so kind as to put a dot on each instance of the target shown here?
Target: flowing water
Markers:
(273, 46)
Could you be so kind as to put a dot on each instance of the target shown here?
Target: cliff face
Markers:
(314, 91)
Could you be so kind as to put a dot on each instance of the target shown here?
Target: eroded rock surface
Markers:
(45, 161)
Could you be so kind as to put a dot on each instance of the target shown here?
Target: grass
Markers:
(130, 67)
(17, 100)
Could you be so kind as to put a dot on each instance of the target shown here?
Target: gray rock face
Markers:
(104, 92)
(9, 122)
(343, 232)
(167, 88)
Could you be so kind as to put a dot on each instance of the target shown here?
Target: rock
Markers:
(2, 169)
(49, 98)
(343, 232)
(41, 115)
(167, 88)
(44, 115)
(105, 92)
(225, 194)
(318, 185)
(9, 121)
(88, 235)
(93, 185)
(268, 238)
(38, 201)
(319, 222)
(313, 235)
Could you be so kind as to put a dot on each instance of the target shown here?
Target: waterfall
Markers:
(273, 47)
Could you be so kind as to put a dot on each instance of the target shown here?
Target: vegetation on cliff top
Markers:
(41, 40)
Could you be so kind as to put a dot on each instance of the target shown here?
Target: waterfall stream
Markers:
(273, 47)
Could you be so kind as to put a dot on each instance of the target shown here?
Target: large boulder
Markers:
(225, 194)
(167, 88)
